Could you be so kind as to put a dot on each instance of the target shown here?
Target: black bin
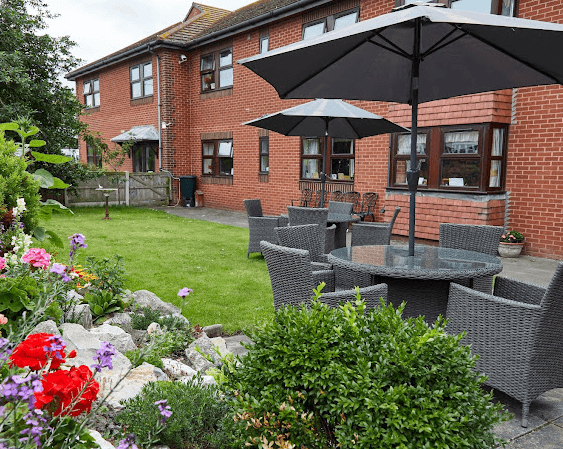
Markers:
(187, 188)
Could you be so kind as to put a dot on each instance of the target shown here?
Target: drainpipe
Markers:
(159, 107)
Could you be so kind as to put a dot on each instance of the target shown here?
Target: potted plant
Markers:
(511, 244)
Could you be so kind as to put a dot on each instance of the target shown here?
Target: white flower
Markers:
(20, 208)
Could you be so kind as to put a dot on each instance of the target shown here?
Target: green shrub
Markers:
(109, 272)
(200, 419)
(143, 317)
(103, 303)
(166, 344)
(318, 377)
(16, 182)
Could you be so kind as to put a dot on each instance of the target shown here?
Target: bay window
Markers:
(339, 161)
(217, 70)
(468, 158)
(217, 156)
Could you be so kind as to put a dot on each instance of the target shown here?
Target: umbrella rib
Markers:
(395, 48)
(503, 51)
(328, 64)
(440, 44)
(352, 127)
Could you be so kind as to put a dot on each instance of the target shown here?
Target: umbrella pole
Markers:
(413, 172)
(323, 174)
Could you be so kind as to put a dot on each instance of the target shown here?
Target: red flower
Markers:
(31, 353)
(60, 388)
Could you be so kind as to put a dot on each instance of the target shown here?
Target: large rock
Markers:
(149, 299)
(123, 320)
(80, 314)
(130, 386)
(199, 362)
(215, 330)
(86, 344)
(121, 340)
(46, 327)
(104, 444)
(176, 370)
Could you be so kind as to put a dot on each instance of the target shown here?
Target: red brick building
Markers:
(486, 157)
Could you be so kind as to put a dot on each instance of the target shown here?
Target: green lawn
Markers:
(163, 253)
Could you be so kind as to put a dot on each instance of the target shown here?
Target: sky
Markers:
(101, 27)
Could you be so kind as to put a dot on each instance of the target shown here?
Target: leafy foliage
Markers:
(200, 419)
(163, 344)
(318, 377)
(110, 273)
(103, 302)
(145, 316)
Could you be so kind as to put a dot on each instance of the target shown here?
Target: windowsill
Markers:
(344, 181)
(438, 192)
(91, 109)
(217, 93)
(142, 100)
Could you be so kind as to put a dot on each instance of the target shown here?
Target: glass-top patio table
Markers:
(422, 280)
(342, 221)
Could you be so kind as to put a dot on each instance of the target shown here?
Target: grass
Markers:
(163, 253)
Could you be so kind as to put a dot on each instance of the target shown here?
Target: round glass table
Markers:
(422, 280)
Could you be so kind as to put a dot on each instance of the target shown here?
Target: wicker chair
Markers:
(293, 280)
(311, 215)
(354, 198)
(340, 208)
(479, 238)
(260, 227)
(305, 237)
(516, 332)
(364, 234)
(369, 199)
(373, 233)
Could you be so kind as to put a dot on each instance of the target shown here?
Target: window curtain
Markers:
(462, 142)
(404, 144)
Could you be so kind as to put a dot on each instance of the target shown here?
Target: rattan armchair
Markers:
(335, 207)
(516, 332)
(260, 227)
(293, 280)
(373, 233)
(312, 215)
(479, 238)
(305, 237)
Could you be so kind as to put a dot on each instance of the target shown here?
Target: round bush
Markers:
(317, 377)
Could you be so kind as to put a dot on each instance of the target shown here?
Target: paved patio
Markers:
(545, 423)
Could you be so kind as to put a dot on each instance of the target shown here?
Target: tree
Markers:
(31, 64)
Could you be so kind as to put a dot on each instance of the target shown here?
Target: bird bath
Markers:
(106, 191)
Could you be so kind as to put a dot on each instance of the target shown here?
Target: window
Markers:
(264, 44)
(339, 163)
(470, 158)
(501, 7)
(330, 23)
(94, 158)
(91, 92)
(144, 157)
(141, 80)
(217, 70)
(217, 157)
(264, 154)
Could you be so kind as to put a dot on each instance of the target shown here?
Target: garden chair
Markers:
(293, 280)
(516, 333)
(316, 200)
(305, 237)
(306, 198)
(340, 208)
(260, 227)
(337, 195)
(369, 199)
(311, 215)
(479, 238)
(354, 198)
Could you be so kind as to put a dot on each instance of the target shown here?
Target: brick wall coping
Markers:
(480, 197)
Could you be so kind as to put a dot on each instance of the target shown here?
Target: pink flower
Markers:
(37, 257)
(2, 263)
(3, 319)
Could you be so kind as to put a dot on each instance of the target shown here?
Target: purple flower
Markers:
(60, 269)
(5, 352)
(185, 292)
(15, 389)
(164, 409)
(128, 442)
(103, 356)
(36, 424)
(76, 242)
(56, 344)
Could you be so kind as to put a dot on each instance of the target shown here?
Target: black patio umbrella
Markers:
(334, 118)
(417, 53)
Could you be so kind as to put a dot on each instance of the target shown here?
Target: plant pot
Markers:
(510, 249)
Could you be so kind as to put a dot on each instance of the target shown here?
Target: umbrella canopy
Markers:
(334, 118)
(417, 53)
